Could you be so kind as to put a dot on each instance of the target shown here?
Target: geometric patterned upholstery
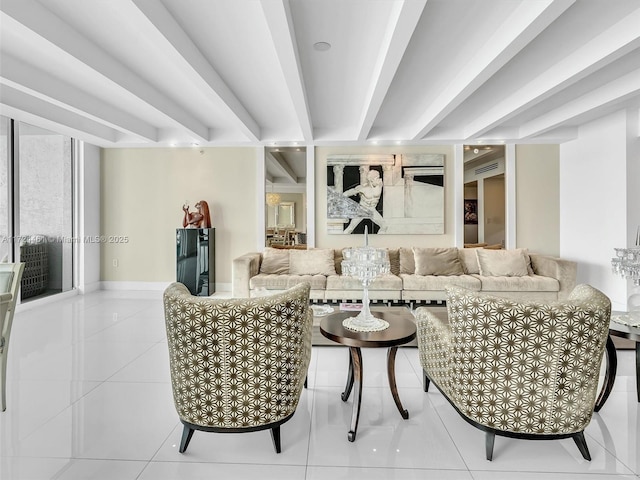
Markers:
(525, 368)
(237, 363)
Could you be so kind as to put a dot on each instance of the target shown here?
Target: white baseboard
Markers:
(223, 287)
(89, 288)
(151, 286)
(132, 286)
(223, 290)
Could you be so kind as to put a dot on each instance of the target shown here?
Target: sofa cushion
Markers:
(268, 281)
(318, 282)
(524, 283)
(437, 261)
(394, 260)
(337, 260)
(317, 261)
(407, 262)
(274, 261)
(438, 283)
(503, 263)
(381, 282)
(469, 260)
(283, 282)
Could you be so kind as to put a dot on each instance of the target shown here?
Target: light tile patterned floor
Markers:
(89, 398)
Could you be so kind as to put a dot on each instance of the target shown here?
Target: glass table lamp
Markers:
(626, 263)
(365, 264)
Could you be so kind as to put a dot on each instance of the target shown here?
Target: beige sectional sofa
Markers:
(417, 274)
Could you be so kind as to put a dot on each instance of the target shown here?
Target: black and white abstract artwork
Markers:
(390, 194)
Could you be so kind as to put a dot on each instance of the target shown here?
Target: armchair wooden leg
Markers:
(187, 433)
(305, 381)
(489, 441)
(582, 445)
(425, 381)
(275, 436)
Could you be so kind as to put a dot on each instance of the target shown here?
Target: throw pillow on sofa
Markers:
(503, 263)
(394, 260)
(437, 261)
(317, 261)
(469, 260)
(275, 261)
(407, 262)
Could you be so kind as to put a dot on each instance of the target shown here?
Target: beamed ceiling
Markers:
(246, 72)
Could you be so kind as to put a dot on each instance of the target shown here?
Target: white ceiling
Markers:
(245, 72)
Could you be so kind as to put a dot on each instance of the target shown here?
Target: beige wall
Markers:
(142, 192)
(494, 210)
(538, 198)
(324, 240)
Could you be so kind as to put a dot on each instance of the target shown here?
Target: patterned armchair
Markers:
(523, 370)
(10, 279)
(237, 365)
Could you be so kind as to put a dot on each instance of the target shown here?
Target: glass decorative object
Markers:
(626, 263)
(365, 264)
(273, 199)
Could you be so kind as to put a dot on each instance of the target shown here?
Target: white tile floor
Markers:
(89, 398)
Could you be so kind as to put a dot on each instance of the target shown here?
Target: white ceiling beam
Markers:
(277, 14)
(521, 27)
(603, 49)
(615, 92)
(402, 23)
(204, 77)
(37, 83)
(53, 29)
(80, 125)
(282, 166)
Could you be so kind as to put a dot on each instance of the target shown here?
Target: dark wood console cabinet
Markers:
(195, 259)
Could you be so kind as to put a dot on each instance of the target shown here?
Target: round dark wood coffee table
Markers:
(402, 329)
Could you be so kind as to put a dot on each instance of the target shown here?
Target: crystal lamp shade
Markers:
(626, 263)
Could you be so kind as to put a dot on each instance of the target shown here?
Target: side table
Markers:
(618, 329)
(402, 329)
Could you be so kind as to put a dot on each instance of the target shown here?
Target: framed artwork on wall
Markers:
(390, 194)
(471, 211)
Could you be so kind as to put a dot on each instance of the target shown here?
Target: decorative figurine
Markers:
(198, 219)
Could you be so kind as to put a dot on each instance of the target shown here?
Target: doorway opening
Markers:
(484, 196)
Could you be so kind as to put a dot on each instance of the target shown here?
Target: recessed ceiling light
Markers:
(321, 46)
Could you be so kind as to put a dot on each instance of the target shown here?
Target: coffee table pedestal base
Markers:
(354, 382)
